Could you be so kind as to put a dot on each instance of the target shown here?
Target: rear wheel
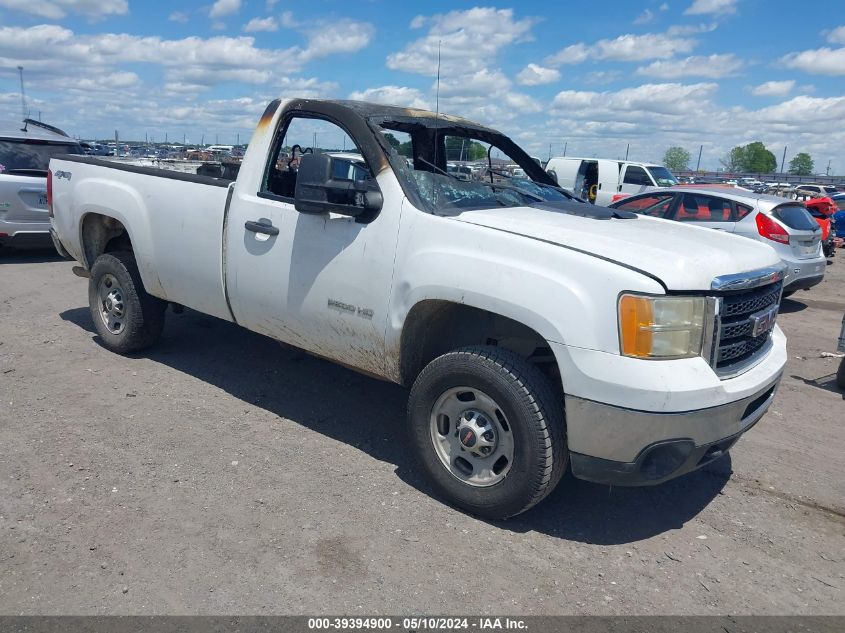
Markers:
(488, 431)
(125, 316)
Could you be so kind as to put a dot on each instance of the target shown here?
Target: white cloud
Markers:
(392, 95)
(470, 40)
(287, 21)
(837, 35)
(270, 4)
(715, 7)
(418, 22)
(709, 66)
(664, 6)
(58, 9)
(645, 17)
(628, 47)
(178, 16)
(261, 24)
(535, 75)
(339, 36)
(193, 60)
(773, 88)
(602, 77)
(650, 99)
(572, 54)
(691, 29)
(822, 61)
(224, 7)
(481, 82)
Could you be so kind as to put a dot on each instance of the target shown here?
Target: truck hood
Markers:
(681, 256)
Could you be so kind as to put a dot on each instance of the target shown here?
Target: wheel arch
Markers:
(434, 327)
(100, 233)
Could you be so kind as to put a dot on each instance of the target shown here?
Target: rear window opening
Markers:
(795, 217)
(31, 158)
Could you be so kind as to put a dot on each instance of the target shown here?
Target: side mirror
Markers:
(325, 184)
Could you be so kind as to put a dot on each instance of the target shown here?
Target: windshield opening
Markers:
(452, 168)
(663, 177)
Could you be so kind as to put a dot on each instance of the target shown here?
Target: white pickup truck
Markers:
(534, 330)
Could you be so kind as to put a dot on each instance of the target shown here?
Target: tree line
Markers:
(751, 158)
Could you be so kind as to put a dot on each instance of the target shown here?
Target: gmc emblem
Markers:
(763, 321)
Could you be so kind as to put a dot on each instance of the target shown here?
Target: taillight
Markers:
(771, 230)
(618, 196)
(50, 192)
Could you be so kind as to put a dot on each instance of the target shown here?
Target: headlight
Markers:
(661, 327)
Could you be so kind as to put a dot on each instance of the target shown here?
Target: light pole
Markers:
(23, 94)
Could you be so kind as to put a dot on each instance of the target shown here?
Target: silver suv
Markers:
(25, 151)
(783, 224)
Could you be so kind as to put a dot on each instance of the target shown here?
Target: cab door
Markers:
(633, 179)
(608, 183)
(318, 282)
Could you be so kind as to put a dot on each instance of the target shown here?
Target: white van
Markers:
(599, 180)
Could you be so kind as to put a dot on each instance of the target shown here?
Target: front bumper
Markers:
(689, 440)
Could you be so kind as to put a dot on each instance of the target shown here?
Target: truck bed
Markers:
(177, 219)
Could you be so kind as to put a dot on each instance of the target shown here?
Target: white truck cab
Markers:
(533, 330)
(602, 180)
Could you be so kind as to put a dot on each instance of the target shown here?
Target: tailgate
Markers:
(23, 199)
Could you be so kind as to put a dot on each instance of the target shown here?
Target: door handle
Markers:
(265, 227)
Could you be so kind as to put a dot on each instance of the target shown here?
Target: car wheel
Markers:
(488, 431)
(125, 316)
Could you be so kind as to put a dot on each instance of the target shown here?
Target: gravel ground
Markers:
(221, 473)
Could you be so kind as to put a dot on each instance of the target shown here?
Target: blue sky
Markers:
(594, 75)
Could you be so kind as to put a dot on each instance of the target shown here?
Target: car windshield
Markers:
(452, 168)
(28, 155)
(663, 177)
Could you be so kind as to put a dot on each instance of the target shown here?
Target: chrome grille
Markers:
(736, 345)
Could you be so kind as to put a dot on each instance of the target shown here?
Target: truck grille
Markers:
(737, 345)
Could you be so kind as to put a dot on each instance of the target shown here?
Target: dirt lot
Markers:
(222, 473)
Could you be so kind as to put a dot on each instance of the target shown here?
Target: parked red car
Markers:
(822, 209)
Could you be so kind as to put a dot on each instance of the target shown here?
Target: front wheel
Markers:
(488, 431)
(125, 316)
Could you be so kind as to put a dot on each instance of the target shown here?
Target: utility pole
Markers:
(23, 94)
(828, 168)
(314, 144)
(564, 147)
(627, 149)
(239, 140)
(698, 164)
(783, 160)
(550, 151)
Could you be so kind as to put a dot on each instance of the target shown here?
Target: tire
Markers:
(488, 389)
(788, 293)
(840, 374)
(125, 316)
